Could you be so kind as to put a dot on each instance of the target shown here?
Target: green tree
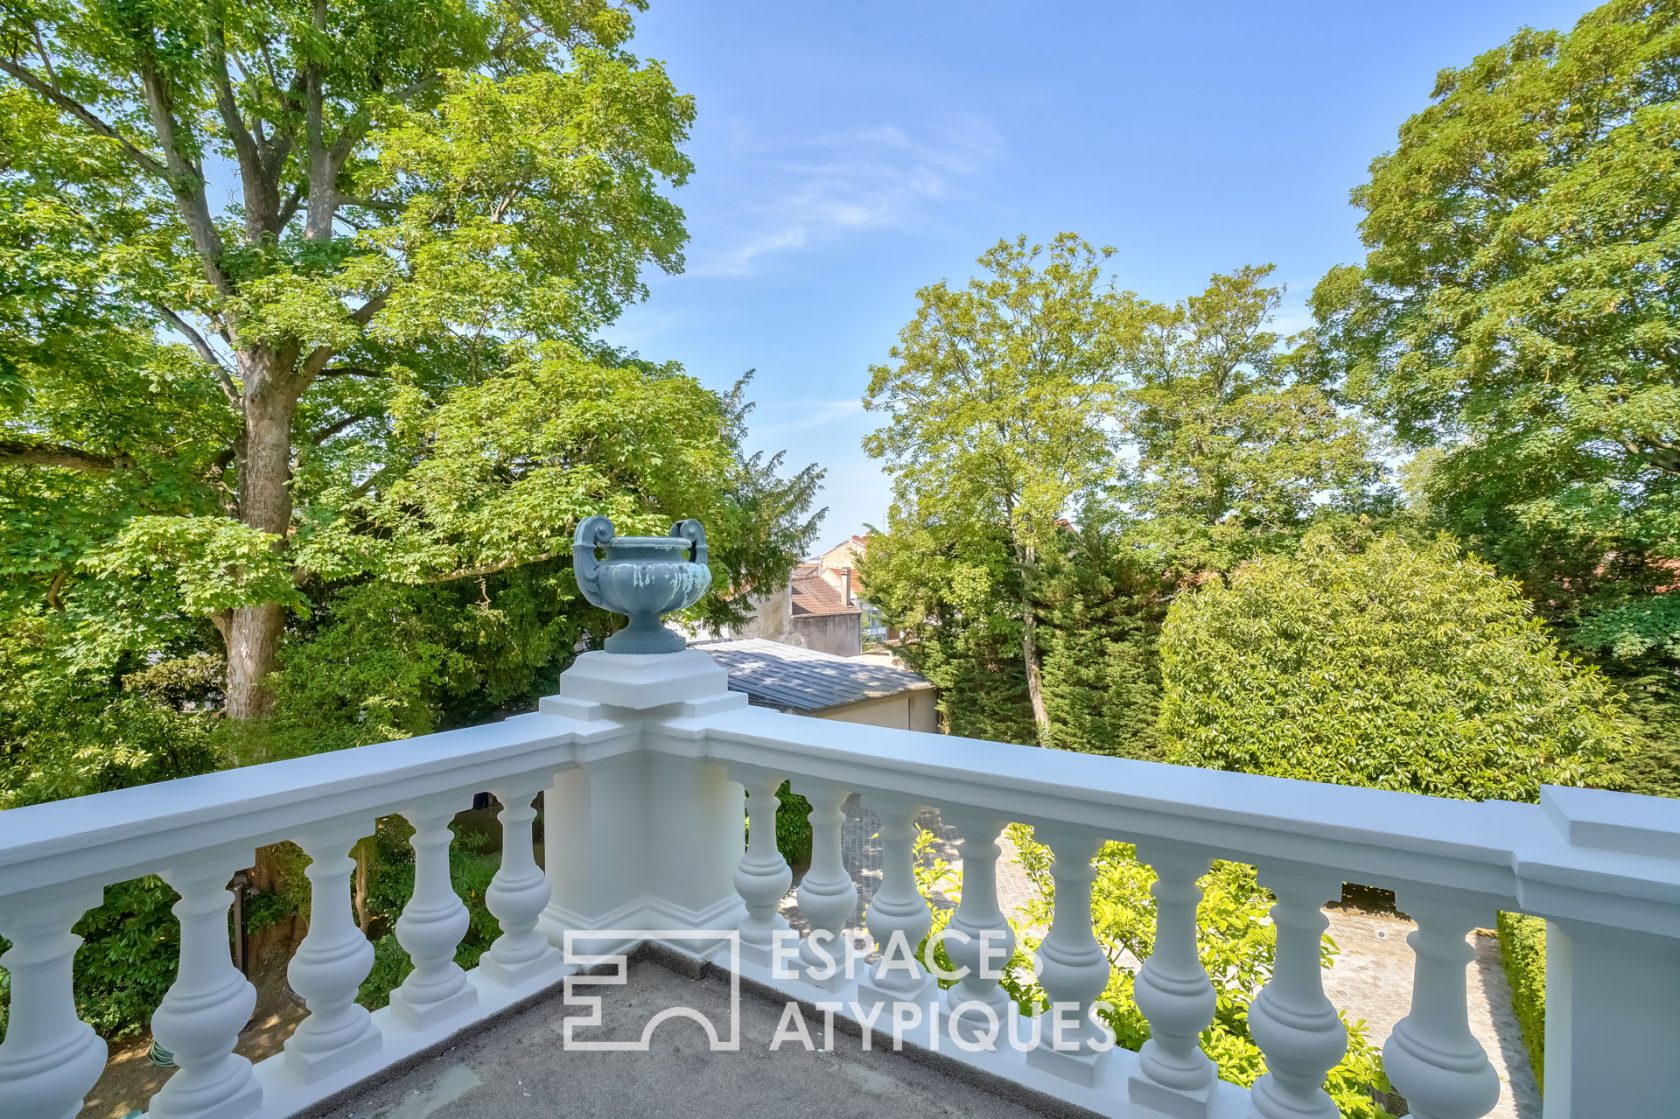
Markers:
(1518, 310)
(249, 245)
(1239, 446)
(1102, 607)
(1385, 664)
(954, 592)
(1001, 402)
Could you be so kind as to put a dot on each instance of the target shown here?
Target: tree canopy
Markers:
(253, 249)
(299, 369)
(1001, 402)
(1516, 318)
(1240, 445)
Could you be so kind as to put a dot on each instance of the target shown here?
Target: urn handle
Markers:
(594, 532)
(691, 531)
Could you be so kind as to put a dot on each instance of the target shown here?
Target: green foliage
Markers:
(953, 590)
(1517, 313)
(1522, 949)
(379, 364)
(793, 826)
(1001, 400)
(1239, 444)
(1025, 562)
(1384, 664)
(1102, 614)
(1237, 946)
(131, 945)
(69, 725)
(126, 964)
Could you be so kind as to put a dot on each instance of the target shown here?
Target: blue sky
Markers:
(849, 152)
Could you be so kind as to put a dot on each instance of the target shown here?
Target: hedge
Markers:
(1522, 948)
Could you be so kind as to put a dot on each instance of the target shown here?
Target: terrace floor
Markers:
(514, 1068)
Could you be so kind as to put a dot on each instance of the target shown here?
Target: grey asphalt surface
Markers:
(516, 1068)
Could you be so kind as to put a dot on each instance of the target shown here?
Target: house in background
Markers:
(839, 568)
(821, 606)
(809, 612)
(807, 682)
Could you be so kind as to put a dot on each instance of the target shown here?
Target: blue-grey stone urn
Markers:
(642, 577)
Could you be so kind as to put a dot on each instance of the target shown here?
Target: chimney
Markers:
(846, 574)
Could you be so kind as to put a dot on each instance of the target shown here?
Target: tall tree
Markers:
(953, 591)
(1239, 445)
(238, 233)
(1001, 402)
(1518, 313)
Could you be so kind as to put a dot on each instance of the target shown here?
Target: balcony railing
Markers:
(642, 761)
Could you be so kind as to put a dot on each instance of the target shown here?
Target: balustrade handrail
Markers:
(1579, 854)
(111, 836)
(1565, 858)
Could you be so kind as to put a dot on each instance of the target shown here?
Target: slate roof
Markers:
(790, 678)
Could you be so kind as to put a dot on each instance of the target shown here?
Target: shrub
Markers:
(1522, 948)
(793, 826)
(1382, 664)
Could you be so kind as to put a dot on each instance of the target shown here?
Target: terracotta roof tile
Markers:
(813, 595)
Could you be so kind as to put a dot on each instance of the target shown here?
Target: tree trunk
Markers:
(1027, 557)
(265, 502)
(1035, 678)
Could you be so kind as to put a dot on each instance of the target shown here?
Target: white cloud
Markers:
(805, 414)
(817, 188)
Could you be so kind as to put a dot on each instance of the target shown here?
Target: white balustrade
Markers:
(1173, 990)
(1292, 1021)
(50, 1058)
(1432, 1058)
(1073, 968)
(827, 895)
(979, 941)
(432, 925)
(898, 917)
(330, 964)
(518, 894)
(647, 836)
(210, 1001)
(762, 877)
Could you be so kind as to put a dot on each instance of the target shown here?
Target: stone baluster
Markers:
(50, 1058)
(210, 1001)
(1173, 1075)
(1291, 1020)
(898, 915)
(518, 894)
(432, 924)
(762, 877)
(827, 895)
(330, 964)
(1432, 1057)
(986, 942)
(1073, 968)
